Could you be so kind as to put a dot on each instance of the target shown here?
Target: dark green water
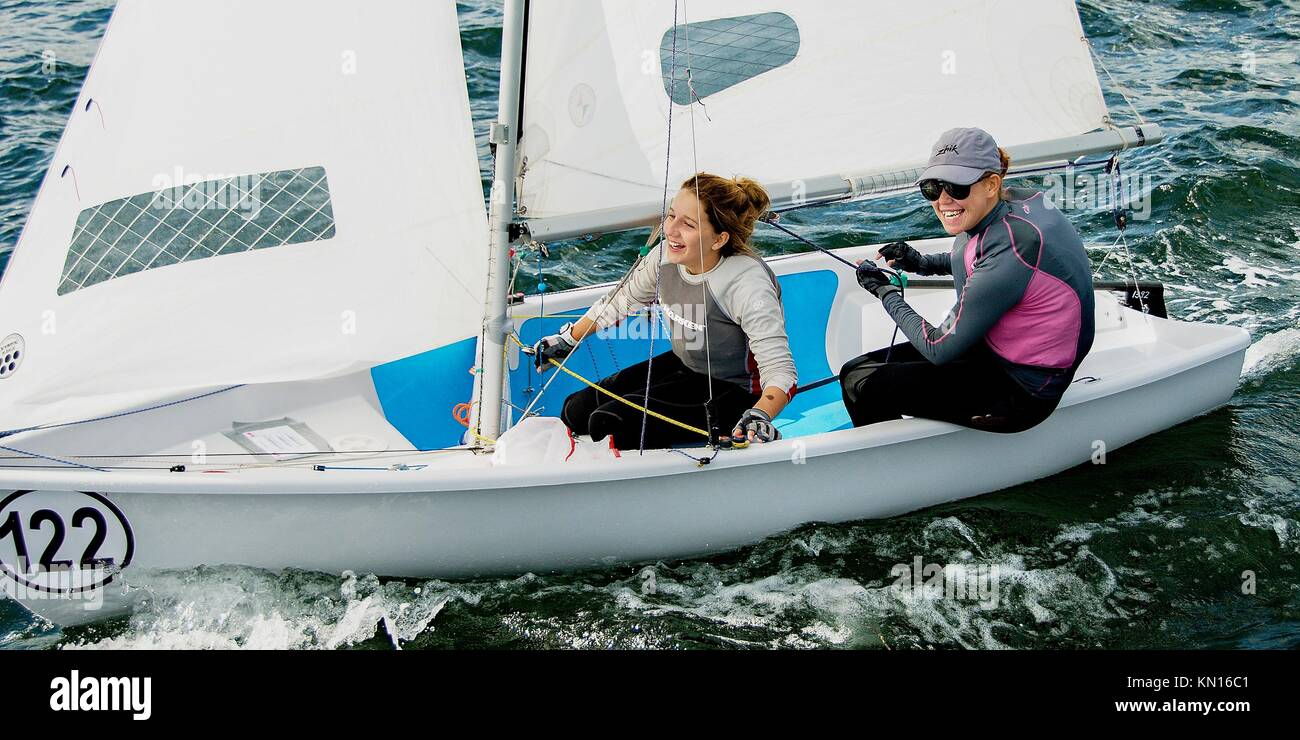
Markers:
(1148, 551)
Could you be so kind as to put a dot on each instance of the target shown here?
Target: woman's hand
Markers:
(559, 346)
(875, 280)
(901, 256)
(554, 347)
(755, 426)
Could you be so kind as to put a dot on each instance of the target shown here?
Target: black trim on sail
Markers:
(523, 70)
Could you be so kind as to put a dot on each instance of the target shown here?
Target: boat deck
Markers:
(400, 420)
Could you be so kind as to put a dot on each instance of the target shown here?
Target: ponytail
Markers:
(1006, 165)
(732, 205)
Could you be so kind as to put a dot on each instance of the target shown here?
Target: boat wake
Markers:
(1273, 352)
(231, 608)
(918, 582)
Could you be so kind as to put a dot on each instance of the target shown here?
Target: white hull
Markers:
(461, 517)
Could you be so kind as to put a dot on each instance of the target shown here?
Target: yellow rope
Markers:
(481, 438)
(619, 398)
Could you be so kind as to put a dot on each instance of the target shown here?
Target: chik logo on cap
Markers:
(950, 149)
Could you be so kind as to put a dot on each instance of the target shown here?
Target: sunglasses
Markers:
(932, 189)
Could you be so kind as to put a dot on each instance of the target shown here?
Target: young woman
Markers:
(709, 283)
(1023, 322)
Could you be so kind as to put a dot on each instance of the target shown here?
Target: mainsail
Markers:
(786, 92)
(248, 192)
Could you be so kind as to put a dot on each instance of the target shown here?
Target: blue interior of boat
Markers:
(807, 297)
(418, 393)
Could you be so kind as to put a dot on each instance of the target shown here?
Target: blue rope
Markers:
(53, 459)
(12, 432)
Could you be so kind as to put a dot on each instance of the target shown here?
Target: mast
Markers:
(504, 135)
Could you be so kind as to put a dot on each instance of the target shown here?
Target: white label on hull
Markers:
(62, 542)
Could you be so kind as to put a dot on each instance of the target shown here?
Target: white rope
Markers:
(699, 215)
(1105, 257)
(1123, 91)
(1122, 239)
(668, 160)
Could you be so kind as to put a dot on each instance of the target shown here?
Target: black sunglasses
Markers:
(932, 189)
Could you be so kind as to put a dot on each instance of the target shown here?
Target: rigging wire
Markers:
(43, 427)
(773, 219)
(663, 216)
(1123, 91)
(615, 396)
(709, 421)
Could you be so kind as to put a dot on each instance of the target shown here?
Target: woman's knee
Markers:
(576, 413)
(858, 374)
(605, 422)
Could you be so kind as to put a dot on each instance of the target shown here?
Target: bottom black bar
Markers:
(307, 689)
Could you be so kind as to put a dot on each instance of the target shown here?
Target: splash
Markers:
(237, 608)
(1273, 352)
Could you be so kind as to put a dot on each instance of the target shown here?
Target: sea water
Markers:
(1188, 539)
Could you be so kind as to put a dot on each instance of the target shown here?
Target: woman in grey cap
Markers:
(1023, 321)
(711, 285)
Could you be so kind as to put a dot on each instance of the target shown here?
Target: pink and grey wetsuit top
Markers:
(1024, 288)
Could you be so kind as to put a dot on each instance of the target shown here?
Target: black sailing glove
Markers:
(901, 256)
(875, 280)
(755, 426)
(555, 347)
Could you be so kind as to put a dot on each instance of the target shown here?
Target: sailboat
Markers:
(260, 315)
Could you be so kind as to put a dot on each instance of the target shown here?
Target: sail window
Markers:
(194, 221)
(726, 52)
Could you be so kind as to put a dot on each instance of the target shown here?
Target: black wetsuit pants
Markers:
(676, 391)
(973, 391)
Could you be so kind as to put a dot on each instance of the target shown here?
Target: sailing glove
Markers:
(755, 426)
(902, 256)
(875, 280)
(554, 347)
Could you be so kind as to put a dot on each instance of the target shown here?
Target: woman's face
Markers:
(688, 235)
(963, 215)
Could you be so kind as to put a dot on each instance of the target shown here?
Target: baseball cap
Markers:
(962, 156)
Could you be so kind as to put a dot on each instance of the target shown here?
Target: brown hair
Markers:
(733, 205)
(1006, 165)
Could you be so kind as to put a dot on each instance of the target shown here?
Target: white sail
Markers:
(330, 215)
(789, 91)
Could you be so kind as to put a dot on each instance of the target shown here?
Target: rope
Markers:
(1119, 211)
(772, 219)
(615, 396)
(298, 461)
(699, 219)
(12, 432)
(663, 216)
(184, 456)
(1106, 256)
(1123, 91)
(53, 459)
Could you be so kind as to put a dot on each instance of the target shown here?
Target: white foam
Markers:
(1272, 352)
(234, 608)
(1254, 276)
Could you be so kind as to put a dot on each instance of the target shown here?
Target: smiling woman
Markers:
(1023, 323)
(1145, 551)
(730, 357)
